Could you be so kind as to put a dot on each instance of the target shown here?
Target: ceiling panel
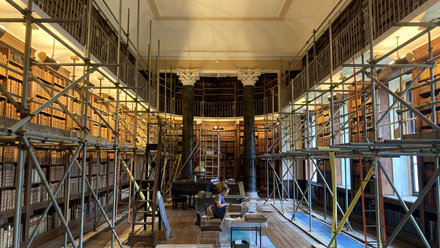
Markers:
(219, 9)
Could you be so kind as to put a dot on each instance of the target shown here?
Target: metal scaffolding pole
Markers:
(310, 176)
(434, 120)
(116, 142)
(87, 53)
(25, 111)
(374, 148)
(32, 139)
(136, 120)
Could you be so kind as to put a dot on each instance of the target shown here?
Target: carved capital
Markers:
(249, 78)
(188, 78)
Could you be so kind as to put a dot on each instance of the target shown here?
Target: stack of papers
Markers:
(255, 217)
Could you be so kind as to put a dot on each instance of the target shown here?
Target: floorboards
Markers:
(281, 232)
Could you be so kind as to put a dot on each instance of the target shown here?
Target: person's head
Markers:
(224, 190)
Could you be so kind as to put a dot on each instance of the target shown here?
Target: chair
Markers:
(177, 199)
(209, 211)
(204, 228)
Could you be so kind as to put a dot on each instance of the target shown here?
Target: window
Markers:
(415, 175)
(345, 173)
(410, 115)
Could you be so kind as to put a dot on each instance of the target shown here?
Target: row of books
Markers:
(111, 165)
(47, 157)
(43, 74)
(33, 222)
(75, 171)
(51, 221)
(14, 74)
(3, 107)
(43, 119)
(37, 102)
(3, 58)
(8, 175)
(102, 181)
(101, 168)
(62, 99)
(38, 194)
(6, 234)
(39, 91)
(102, 201)
(35, 178)
(54, 186)
(8, 199)
(75, 185)
(59, 81)
(74, 212)
(57, 157)
(56, 173)
(10, 154)
(14, 86)
(16, 58)
(10, 110)
(58, 112)
(42, 156)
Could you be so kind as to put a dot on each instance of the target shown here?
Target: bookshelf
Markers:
(54, 165)
(54, 160)
(261, 130)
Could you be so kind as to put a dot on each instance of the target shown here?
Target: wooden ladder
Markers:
(145, 211)
(375, 179)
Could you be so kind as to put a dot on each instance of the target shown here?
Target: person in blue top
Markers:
(220, 204)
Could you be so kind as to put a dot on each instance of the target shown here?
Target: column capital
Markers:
(188, 77)
(249, 77)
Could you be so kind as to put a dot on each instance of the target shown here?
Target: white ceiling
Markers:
(216, 9)
(224, 29)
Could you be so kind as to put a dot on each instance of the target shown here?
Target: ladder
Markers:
(144, 217)
(362, 125)
(209, 153)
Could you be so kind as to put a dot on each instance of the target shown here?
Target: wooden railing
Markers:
(104, 41)
(347, 42)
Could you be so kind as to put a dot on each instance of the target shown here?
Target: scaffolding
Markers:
(327, 121)
(137, 106)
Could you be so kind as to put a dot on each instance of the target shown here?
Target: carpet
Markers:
(326, 232)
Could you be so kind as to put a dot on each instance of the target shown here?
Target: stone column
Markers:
(249, 171)
(188, 79)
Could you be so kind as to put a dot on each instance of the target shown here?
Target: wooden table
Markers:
(229, 225)
(200, 201)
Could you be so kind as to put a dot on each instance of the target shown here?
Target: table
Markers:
(190, 188)
(229, 225)
(200, 201)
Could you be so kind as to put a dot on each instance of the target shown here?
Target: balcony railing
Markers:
(104, 41)
(217, 109)
(348, 41)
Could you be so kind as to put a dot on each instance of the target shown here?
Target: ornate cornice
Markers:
(249, 78)
(188, 78)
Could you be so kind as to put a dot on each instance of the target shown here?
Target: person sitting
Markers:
(220, 204)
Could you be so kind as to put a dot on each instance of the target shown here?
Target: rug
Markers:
(326, 232)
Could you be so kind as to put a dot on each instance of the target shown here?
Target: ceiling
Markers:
(224, 29)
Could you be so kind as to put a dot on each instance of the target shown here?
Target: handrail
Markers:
(103, 43)
(348, 41)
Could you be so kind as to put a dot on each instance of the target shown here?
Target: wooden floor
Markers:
(400, 242)
(183, 231)
(280, 231)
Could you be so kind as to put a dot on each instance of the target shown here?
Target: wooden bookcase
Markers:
(54, 162)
